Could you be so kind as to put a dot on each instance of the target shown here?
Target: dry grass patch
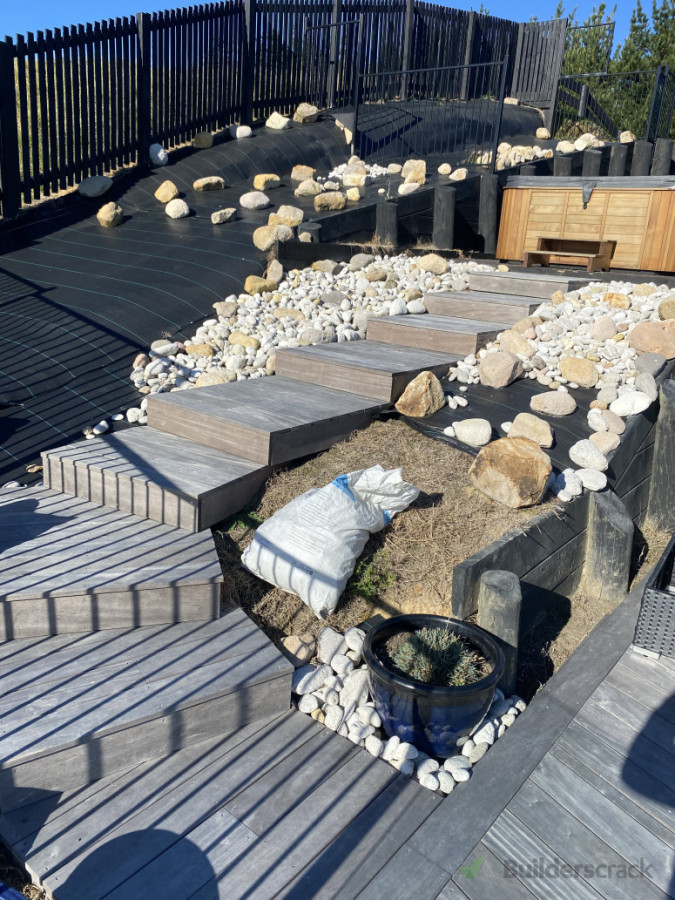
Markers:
(405, 568)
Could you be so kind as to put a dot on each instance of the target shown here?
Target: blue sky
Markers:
(20, 16)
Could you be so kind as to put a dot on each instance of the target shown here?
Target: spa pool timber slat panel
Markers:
(441, 333)
(155, 475)
(362, 367)
(267, 420)
(480, 306)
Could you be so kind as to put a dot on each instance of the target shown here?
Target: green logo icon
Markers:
(472, 870)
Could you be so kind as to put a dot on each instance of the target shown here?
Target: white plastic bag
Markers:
(310, 546)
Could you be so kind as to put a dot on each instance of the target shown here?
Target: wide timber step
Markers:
(443, 334)
(481, 306)
(267, 420)
(70, 565)
(362, 367)
(75, 708)
(540, 285)
(155, 475)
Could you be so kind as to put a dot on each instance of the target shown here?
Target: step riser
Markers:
(98, 756)
(46, 616)
(387, 388)
(427, 338)
(440, 305)
(146, 499)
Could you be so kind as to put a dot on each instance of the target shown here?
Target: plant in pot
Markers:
(432, 678)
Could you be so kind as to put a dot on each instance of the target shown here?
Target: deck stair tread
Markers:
(67, 564)
(433, 332)
(480, 305)
(92, 705)
(377, 369)
(156, 475)
(539, 285)
(267, 420)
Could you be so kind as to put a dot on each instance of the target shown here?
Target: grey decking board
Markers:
(442, 323)
(629, 676)
(628, 837)
(53, 545)
(622, 738)
(355, 857)
(439, 333)
(372, 356)
(653, 724)
(510, 762)
(304, 833)
(576, 845)
(526, 284)
(263, 804)
(636, 783)
(186, 795)
(492, 880)
(407, 876)
(479, 306)
(512, 842)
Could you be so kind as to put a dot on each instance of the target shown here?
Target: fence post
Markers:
(468, 55)
(515, 86)
(407, 45)
(655, 105)
(488, 212)
(10, 173)
(500, 113)
(359, 83)
(144, 109)
(334, 47)
(248, 62)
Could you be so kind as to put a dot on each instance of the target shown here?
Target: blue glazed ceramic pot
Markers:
(432, 717)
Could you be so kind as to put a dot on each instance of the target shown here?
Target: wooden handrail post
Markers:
(10, 171)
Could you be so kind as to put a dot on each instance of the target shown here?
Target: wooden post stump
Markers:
(609, 541)
(386, 223)
(617, 160)
(562, 166)
(642, 158)
(663, 157)
(499, 604)
(590, 166)
(313, 229)
(487, 212)
(443, 235)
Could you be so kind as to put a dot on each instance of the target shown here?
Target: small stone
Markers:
(508, 720)
(355, 689)
(390, 748)
(110, 215)
(651, 363)
(209, 183)
(177, 209)
(299, 648)
(515, 343)
(225, 308)
(578, 370)
(329, 643)
(630, 404)
(330, 200)
(592, 479)
(158, 155)
(459, 174)
(354, 638)
(353, 194)
(305, 113)
(553, 403)
(615, 424)
(666, 308)
(405, 750)
(214, 376)
(444, 169)
(221, 216)
(254, 200)
(474, 432)
(266, 236)
(428, 767)
(308, 188)
(456, 763)
(430, 782)
(446, 782)
(616, 300)
(603, 329)
(627, 137)
(307, 679)
(94, 186)
(394, 169)
(467, 747)
(360, 260)
(302, 173)
(291, 216)
(499, 369)
(277, 122)
(422, 397)
(605, 441)
(478, 752)
(334, 716)
(542, 134)
(529, 426)
(586, 455)
(203, 140)
(596, 421)
(407, 188)
(646, 384)
(342, 665)
(266, 181)
(254, 284)
(308, 703)
(513, 471)
(374, 745)
(414, 171)
(166, 191)
(432, 262)
(319, 716)
(240, 132)
(485, 734)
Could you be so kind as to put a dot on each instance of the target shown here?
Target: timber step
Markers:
(481, 306)
(67, 564)
(362, 367)
(267, 420)
(443, 334)
(78, 707)
(155, 475)
(540, 285)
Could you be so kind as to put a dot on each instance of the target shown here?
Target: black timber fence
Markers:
(90, 99)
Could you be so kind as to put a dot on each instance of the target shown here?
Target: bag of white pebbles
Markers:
(310, 546)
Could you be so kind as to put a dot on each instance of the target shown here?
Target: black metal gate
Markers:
(332, 63)
(538, 63)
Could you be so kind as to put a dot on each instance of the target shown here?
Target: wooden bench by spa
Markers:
(596, 255)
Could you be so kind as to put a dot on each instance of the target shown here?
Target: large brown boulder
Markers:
(499, 369)
(654, 337)
(423, 396)
(579, 370)
(513, 471)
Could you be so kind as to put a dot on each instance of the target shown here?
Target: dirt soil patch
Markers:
(408, 566)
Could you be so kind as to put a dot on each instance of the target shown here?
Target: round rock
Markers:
(553, 403)
(630, 404)
(586, 455)
(474, 432)
(592, 479)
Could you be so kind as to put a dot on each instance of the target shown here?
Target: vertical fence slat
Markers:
(10, 172)
(24, 136)
(143, 68)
